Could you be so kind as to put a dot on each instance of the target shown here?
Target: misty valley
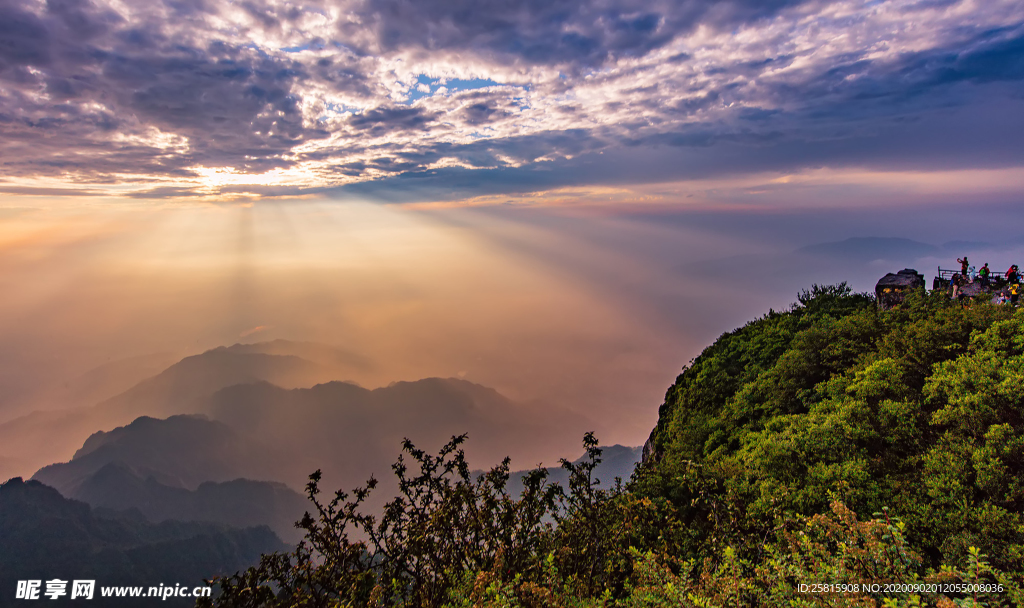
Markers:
(848, 438)
(219, 446)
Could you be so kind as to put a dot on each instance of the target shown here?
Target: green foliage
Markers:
(443, 523)
(832, 443)
(918, 409)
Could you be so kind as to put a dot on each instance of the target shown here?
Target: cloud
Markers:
(575, 34)
(380, 121)
(209, 97)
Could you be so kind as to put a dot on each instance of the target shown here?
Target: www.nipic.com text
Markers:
(86, 590)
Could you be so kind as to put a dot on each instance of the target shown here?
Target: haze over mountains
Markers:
(346, 415)
(339, 426)
(872, 248)
(861, 249)
(184, 468)
(230, 435)
(244, 384)
(43, 535)
(192, 468)
(860, 261)
(617, 461)
(47, 436)
(239, 503)
(182, 451)
(432, 409)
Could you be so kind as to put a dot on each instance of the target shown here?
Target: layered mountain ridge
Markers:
(227, 436)
(44, 535)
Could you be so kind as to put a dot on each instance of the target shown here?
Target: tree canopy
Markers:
(829, 443)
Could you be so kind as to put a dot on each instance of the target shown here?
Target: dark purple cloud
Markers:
(388, 93)
(576, 33)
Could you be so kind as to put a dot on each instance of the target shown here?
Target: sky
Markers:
(565, 200)
(451, 100)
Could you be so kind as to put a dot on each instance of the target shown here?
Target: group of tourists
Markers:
(968, 274)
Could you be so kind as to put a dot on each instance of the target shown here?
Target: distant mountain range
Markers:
(45, 536)
(48, 436)
(432, 409)
(339, 360)
(617, 461)
(104, 381)
(181, 387)
(263, 431)
(859, 249)
(240, 503)
(227, 436)
(181, 451)
(350, 431)
(860, 261)
(186, 468)
(190, 468)
(193, 471)
(872, 248)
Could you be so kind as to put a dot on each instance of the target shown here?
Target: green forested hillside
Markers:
(832, 443)
(919, 410)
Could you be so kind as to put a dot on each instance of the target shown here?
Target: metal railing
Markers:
(945, 275)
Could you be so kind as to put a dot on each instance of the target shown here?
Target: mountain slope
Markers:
(917, 411)
(337, 359)
(617, 461)
(43, 536)
(186, 468)
(265, 432)
(181, 451)
(351, 432)
(49, 436)
(180, 388)
(239, 503)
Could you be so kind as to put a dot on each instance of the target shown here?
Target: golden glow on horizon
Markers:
(819, 187)
(842, 187)
(572, 300)
(414, 293)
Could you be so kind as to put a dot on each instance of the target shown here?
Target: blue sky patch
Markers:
(453, 85)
